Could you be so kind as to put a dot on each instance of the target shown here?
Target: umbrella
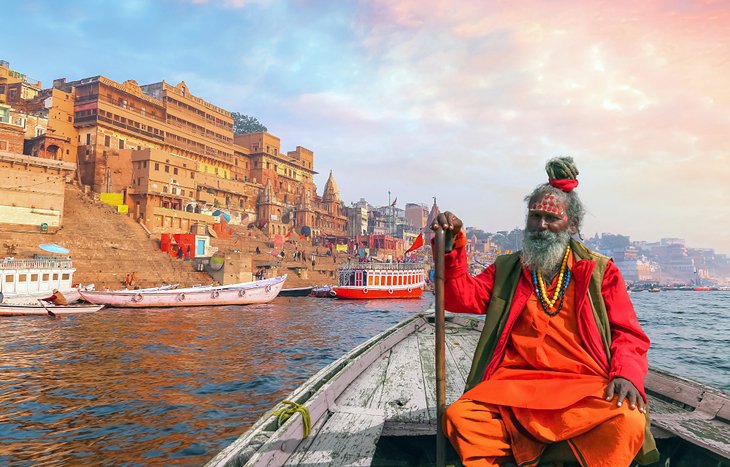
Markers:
(225, 215)
(53, 248)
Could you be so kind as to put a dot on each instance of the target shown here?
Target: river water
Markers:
(175, 386)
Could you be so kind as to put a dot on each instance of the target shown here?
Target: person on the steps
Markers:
(562, 357)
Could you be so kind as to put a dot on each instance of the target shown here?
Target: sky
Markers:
(464, 101)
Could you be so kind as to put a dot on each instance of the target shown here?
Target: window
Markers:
(174, 190)
(22, 277)
(157, 166)
(192, 175)
(174, 170)
(65, 277)
(55, 277)
(3, 145)
(88, 138)
(144, 164)
(164, 188)
(107, 141)
(121, 144)
(9, 278)
(34, 277)
(167, 169)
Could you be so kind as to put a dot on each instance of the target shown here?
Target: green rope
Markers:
(285, 413)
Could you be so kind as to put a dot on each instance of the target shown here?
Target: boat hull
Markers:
(31, 310)
(297, 292)
(363, 293)
(248, 293)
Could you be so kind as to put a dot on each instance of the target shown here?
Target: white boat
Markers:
(244, 293)
(24, 281)
(37, 309)
(376, 405)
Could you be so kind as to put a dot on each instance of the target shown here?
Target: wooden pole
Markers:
(439, 245)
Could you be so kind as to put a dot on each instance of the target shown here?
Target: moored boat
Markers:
(38, 309)
(376, 405)
(323, 291)
(24, 281)
(366, 281)
(296, 292)
(245, 293)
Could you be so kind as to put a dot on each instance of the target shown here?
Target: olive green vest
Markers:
(507, 276)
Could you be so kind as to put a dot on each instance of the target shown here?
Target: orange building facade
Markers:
(117, 133)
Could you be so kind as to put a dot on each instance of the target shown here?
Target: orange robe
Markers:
(546, 389)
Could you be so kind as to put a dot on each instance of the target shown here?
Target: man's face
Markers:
(541, 220)
(547, 213)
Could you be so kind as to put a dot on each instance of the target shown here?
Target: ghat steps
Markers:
(104, 246)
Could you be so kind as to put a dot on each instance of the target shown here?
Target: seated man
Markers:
(57, 298)
(562, 356)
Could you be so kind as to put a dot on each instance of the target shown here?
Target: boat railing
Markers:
(352, 266)
(35, 263)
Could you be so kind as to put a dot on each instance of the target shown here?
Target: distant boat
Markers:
(24, 281)
(7, 309)
(654, 289)
(366, 281)
(244, 293)
(702, 289)
(296, 292)
(323, 291)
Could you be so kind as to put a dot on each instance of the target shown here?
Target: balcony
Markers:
(131, 128)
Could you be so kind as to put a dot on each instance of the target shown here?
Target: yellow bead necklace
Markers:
(550, 302)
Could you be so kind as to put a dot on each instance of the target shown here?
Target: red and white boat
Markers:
(366, 281)
(245, 293)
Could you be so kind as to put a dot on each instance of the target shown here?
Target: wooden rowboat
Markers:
(7, 309)
(377, 405)
(296, 292)
(245, 293)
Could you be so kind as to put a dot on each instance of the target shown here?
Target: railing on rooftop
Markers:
(381, 266)
(36, 263)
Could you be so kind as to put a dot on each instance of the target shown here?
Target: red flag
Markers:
(302, 236)
(288, 234)
(417, 243)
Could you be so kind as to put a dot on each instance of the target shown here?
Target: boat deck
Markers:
(387, 388)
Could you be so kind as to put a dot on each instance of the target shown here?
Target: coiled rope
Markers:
(285, 413)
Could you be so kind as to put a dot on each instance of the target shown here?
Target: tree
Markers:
(243, 124)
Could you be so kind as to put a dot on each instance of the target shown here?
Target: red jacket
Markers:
(629, 345)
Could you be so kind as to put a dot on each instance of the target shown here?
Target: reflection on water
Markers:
(161, 387)
(165, 386)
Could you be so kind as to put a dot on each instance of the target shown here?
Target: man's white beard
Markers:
(543, 250)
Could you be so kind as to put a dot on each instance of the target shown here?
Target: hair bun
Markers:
(561, 168)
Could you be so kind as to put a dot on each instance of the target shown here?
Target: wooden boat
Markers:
(7, 309)
(366, 281)
(296, 292)
(377, 405)
(245, 293)
(324, 291)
